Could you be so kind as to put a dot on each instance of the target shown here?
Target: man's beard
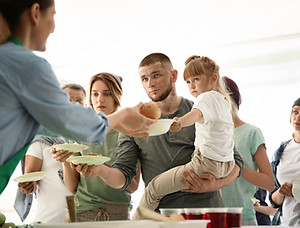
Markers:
(163, 96)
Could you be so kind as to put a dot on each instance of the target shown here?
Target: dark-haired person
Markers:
(30, 92)
(285, 166)
(249, 141)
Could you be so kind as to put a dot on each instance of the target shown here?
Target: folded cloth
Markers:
(23, 204)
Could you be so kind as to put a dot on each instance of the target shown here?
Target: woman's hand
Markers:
(130, 122)
(28, 187)
(87, 170)
(61, 155)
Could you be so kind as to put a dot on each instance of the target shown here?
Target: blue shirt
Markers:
(30, 95)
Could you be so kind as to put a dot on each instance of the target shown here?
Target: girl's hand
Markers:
(87, 170)
(176, 126)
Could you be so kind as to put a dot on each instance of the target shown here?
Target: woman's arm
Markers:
(32, 164)
(283, 191)
(110, 175)
(267, 210)
(71, 176)
(130, 122)
(264, 177)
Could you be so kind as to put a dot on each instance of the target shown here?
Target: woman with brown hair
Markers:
(96, 201)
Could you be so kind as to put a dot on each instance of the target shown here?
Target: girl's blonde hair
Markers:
(4, 30)
(113, 84)
(202, 65)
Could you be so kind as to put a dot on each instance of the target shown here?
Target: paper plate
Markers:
(90, 160)
(28, 177)
(296, 190)
(160, 127)
(72, 147)
(254, 200)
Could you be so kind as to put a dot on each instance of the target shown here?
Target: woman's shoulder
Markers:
(23, 62)
(250, 127)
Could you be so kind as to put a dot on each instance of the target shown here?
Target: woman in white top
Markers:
(285, 167)
(51, 191)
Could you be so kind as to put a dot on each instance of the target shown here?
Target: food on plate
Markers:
(150, 110)
(70, 146)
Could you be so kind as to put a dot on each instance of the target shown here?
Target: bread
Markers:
(150, 110)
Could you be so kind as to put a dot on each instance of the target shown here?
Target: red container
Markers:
(194, 213)
(234, 217)
(217, 217)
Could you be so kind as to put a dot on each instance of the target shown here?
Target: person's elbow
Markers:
(271, 184)
(133, 187)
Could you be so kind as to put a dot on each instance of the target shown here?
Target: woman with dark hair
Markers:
(250, 143)
(285, 166)
(30, 92)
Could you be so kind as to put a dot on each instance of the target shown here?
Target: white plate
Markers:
(28, 177)
(90, 160)
(160, 127)
(254, 200)
(296, 190)
(72, 147)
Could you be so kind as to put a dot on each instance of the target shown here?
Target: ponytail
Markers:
(4, 30)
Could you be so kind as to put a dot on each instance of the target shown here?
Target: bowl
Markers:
(160, 127)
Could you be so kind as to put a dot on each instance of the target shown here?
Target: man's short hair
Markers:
(74, 86)
(154, 58)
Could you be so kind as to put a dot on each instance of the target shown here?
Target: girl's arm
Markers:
(188, 119)
(264, 177)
